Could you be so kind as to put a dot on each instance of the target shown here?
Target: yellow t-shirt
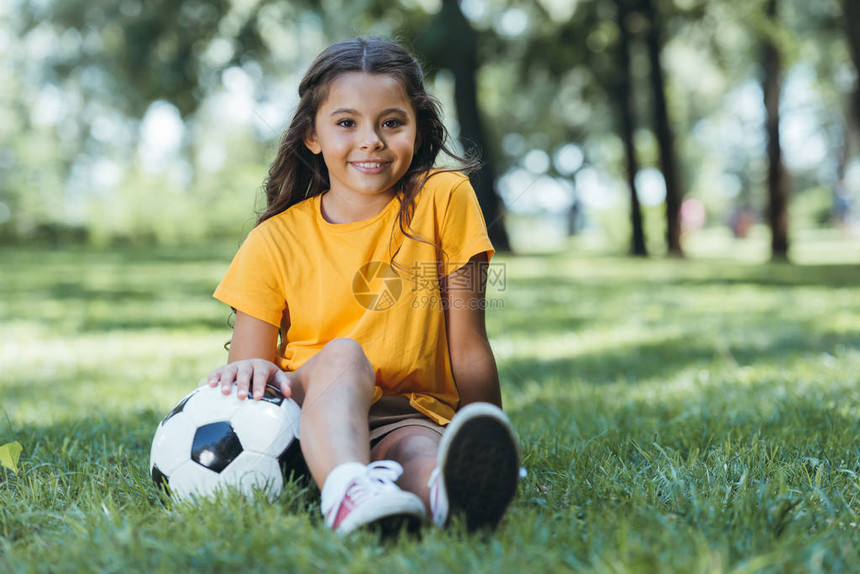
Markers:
(329, 280)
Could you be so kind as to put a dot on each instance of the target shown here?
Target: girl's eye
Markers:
(346, 123)
(392, 123)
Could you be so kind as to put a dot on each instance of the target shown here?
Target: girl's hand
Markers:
(251, 375)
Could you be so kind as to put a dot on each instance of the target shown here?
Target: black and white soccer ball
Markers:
(210, 441)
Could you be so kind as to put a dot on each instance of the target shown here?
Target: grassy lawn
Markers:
(694, 416)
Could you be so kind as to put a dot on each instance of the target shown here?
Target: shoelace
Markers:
(438, 501)
(380, 477)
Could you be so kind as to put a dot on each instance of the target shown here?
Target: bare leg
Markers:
(334, 389)
(414, 447)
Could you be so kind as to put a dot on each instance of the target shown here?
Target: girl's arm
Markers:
(252, 339)
(472, 361)
(250, 365)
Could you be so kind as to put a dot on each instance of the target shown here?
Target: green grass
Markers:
(686, 416)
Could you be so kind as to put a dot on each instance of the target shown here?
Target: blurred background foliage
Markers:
(637, 124)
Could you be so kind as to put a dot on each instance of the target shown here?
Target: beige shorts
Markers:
(392, 412)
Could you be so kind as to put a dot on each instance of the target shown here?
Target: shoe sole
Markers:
(390, 527)
(387, 521)
(479, 462)
(387, 525)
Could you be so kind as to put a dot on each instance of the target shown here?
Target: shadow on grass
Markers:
(131, 305)
(209, 251)
(558, 271)
(143, 324)
(629, 363)
(130, 289)
(139, 324)
(632, 363)
(548, 318)
(784, 274)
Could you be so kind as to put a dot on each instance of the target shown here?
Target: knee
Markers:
(416, 447)
(408, 445)
(346, 355)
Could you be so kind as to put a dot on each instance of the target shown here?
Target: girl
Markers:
(360, 293)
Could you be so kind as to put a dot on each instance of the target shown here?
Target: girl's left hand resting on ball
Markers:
(251, 376)
(249, 364)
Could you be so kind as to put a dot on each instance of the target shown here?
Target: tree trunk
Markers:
(626, 108)
(663, 131)
(460, 55)
(777, 178)
(852, 27)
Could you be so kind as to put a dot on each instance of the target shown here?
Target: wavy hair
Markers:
(297, 174)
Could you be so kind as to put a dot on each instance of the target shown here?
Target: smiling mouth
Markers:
(369, 164)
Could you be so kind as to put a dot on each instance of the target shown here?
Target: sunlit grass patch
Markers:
(688, 416)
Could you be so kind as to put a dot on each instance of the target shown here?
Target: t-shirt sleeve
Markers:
(254, 281)
(464, 231)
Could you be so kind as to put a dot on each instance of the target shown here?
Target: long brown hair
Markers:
(297, 174)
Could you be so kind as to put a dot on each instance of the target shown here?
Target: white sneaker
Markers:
(373, 498)
(477, 468)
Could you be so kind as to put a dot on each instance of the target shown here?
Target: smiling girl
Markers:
(360, 294)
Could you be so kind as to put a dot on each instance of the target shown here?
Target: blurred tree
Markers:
(102, 65)
(138, 52)
(852, 28)
(546, 74)
(814, 41)
(582, 33)
(450, 42)
(777, 176)
(625, 100)
(568, 86)
(663, 130)
(159, 48)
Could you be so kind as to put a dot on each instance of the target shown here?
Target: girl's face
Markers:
(367, 133)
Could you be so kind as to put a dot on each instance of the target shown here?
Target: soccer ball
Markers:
(209, 441)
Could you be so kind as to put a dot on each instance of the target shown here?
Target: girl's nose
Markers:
(371, 140)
